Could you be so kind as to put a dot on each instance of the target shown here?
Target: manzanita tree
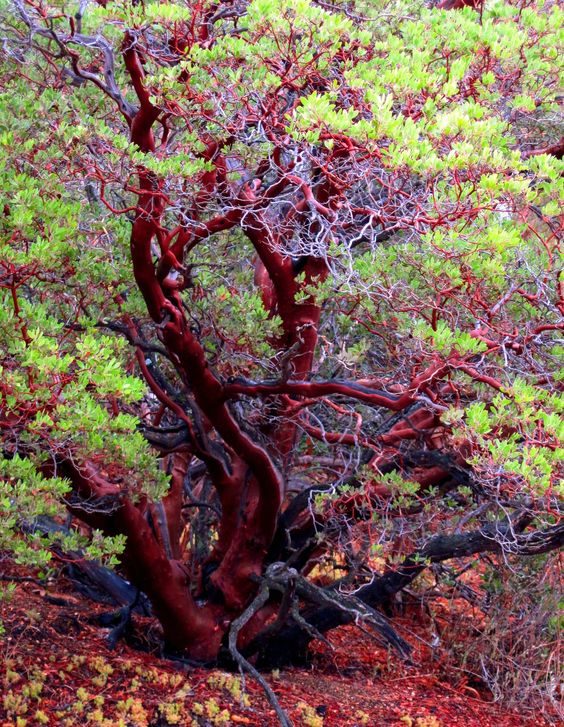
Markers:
(282, 305)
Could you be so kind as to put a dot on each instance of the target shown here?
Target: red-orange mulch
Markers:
(57, 670)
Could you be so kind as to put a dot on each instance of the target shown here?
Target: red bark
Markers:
(555, 150)
(250, 467)
(245, 553)
(458, 4)
(186, 626)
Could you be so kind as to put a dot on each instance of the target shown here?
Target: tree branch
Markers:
(256, 604)
(505, 537)
(351, 389)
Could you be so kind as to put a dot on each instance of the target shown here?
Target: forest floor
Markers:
(56, 669)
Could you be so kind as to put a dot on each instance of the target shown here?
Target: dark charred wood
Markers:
(290, 644)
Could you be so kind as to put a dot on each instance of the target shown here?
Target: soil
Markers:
(57, 669)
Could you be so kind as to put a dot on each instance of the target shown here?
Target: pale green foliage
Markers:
(25, 495)
(58, 370)
(438, 101)
(523, 454)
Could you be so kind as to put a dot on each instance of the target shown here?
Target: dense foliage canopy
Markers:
(281, 301)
